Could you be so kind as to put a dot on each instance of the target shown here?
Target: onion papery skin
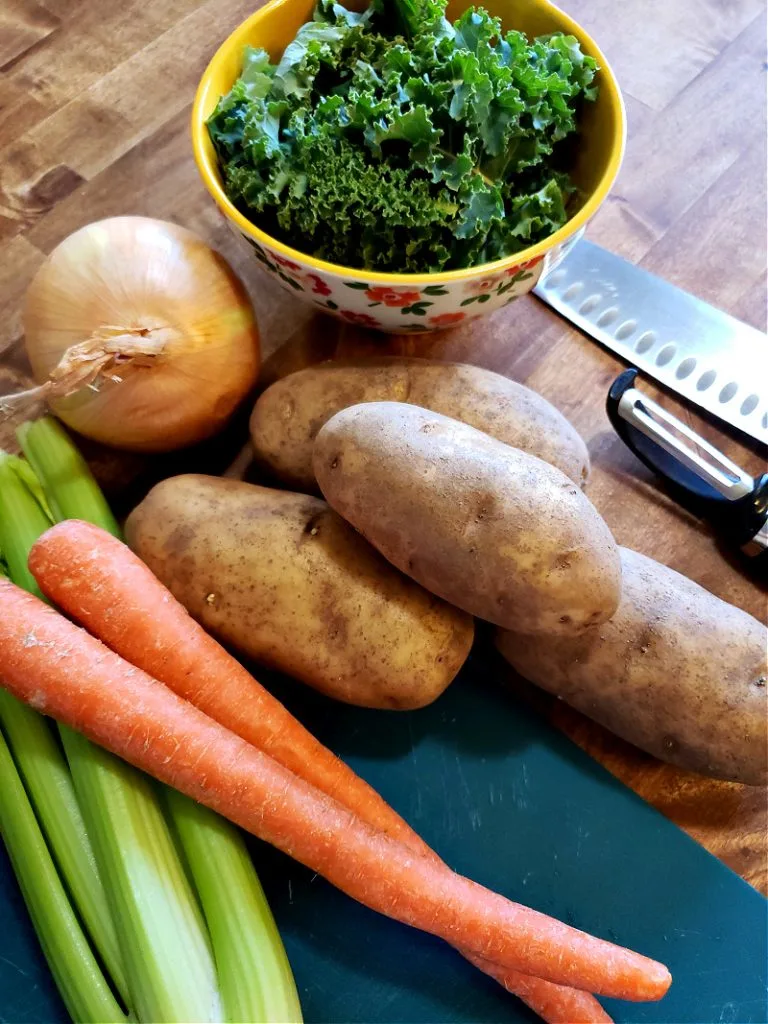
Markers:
(165, 285)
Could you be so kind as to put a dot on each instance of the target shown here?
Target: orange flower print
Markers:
(319, 287)
(359, 318)
(445, 319)
(484, 285)
(396, 297)
(283, 262)
(511, 271)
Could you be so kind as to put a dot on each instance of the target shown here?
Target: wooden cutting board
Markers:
(506, 799)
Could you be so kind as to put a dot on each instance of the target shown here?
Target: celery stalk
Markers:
(48, 781)
(31, 481)
(161, 932)
(22, 520)
(254, 973)
(166, 950)
(67, 481)
(78, 977)
(255, 978)
(40, 760)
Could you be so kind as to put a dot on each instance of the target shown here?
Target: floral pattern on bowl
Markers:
(412, 302)
(421, 306)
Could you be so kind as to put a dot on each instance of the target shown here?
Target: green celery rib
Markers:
(166, 953)
(22, 520)
(78, 977)
(31, 481)
(254, 973)
(255, 978)
(48, 781)
(67, 481)
(163, 938)
(42, 764)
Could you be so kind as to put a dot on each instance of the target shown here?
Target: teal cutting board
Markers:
(512, 803)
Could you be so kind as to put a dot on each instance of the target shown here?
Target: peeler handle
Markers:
(695, 474)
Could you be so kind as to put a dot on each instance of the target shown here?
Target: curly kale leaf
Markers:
(394, 140)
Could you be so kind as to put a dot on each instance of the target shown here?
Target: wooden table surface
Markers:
(94, 106)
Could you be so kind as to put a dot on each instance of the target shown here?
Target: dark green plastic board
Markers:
(510, 802)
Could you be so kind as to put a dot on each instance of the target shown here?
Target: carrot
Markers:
(95, 578)
(61, 670)
(103, 585)
(555, 1004)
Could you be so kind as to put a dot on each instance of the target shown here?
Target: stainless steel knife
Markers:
(706, 356)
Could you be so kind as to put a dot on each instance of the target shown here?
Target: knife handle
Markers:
(741, 521)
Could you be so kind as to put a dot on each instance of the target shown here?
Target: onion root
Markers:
(101, 357)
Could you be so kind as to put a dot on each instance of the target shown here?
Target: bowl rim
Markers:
(207, 169)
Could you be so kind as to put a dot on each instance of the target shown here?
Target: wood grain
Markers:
(94, 108)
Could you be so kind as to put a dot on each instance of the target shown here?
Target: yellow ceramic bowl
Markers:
(415, 302)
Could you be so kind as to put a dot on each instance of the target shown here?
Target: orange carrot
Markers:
(96, 579)
(103, 585)
(555, 1004)
(61, 670)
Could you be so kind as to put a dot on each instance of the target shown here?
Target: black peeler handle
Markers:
(742, 522)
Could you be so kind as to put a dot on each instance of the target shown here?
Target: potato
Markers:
(288, 414)
(283, 579)
(676, 671)
(495, 531)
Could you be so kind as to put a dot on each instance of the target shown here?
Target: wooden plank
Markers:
(93, 37)
(115, 113)
(751, 305)
(19, 108)
(20, 260)
(658, 48)
(719, 231)
(674, 157)
(24, 25)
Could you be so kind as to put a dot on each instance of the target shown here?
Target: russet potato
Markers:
(493, 530)
(283, 579)
(289, 414)
(676, 671)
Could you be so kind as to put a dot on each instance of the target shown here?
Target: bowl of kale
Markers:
(407, 145)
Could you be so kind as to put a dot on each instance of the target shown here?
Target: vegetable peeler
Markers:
(695, 473)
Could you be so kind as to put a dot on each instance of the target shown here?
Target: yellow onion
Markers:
(140, 335)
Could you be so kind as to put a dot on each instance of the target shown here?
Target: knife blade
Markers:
(704, 355)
